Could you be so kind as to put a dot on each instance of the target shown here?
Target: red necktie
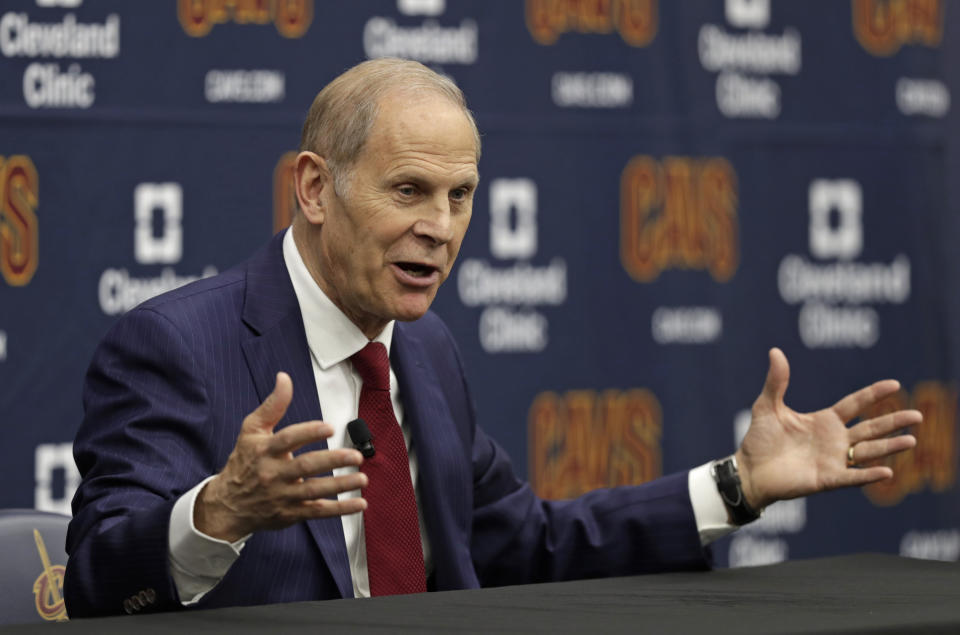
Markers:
(394, 551)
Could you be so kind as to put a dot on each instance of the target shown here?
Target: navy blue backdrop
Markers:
(668, 190)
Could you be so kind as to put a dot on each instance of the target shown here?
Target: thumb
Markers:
(269, 413)
(778, 376)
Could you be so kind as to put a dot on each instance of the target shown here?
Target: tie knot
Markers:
(373, 366)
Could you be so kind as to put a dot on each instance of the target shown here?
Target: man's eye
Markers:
(407, 190)
(459, 194)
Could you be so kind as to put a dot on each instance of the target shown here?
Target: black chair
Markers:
(33, 561)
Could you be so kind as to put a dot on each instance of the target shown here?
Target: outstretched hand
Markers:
(787, 454)
(263, 486)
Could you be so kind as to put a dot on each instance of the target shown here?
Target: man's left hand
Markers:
(787, 454)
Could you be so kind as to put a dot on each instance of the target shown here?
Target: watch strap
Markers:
(727, 477)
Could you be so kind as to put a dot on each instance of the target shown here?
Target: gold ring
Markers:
(850, 460)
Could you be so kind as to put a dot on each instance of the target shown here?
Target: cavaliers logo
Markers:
(932, 464)
(635, 20)
(883, 26)
(583, 440)
(19, 235)
(680, 213)
(48, 589)
(292, 18)
(284, 198)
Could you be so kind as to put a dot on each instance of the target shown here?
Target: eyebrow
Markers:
(419, 179)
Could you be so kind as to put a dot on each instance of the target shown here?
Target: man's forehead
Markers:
(405, 99)
(427, 165)
(412, 129)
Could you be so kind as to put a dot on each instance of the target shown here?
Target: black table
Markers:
(847, 594)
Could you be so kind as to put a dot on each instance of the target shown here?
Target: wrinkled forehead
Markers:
(415, 109)
(425, 129)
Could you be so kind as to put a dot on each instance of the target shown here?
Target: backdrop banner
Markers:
(668, 190)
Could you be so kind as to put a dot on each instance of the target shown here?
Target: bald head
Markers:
(343, 113)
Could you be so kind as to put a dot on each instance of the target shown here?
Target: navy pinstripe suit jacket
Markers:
(164, 399)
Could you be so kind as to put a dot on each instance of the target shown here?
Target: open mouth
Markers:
(416, 270)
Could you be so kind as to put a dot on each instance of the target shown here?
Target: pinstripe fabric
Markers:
(164, 397)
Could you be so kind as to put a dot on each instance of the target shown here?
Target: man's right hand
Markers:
(263, 486)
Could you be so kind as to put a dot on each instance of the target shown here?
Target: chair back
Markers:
(32, 562)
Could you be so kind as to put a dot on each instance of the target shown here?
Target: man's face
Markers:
(391, 239)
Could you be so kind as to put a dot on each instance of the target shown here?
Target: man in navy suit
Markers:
(209, 481)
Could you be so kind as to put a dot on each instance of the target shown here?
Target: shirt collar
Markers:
(331, 336)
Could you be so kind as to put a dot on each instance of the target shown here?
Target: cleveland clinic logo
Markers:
(835, 291)
(512, 290)
(61, 46)
(430, 42)
(157, 240)
(747, 58)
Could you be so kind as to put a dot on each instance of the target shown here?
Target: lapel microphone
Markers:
(361, 437)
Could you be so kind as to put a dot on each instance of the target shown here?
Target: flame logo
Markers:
(48, 588)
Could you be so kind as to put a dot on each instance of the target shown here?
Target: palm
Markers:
(787, 454)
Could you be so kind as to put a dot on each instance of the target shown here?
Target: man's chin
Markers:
(411, 316)
(410, 309)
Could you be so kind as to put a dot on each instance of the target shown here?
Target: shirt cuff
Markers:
(197, 561)
(708, 508)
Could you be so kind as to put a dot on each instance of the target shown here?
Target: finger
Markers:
(325, 508)
(853, 404)
(318, 508)
(298, 435)
(330, 486)
(268, 414)
(778, 376)
(866, 451)
(308, 489)
(317, 462)
(885, 425)
(863, 476)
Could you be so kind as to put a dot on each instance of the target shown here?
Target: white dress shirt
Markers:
(198, 562)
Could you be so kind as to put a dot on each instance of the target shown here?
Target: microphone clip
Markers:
(361, 437)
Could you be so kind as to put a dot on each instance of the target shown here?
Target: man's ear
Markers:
(312, 179)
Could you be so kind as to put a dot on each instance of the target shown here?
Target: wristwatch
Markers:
(727, 477)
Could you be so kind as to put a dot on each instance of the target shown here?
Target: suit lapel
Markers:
(444, 475)
(278, 342)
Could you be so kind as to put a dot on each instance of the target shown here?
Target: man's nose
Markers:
(436, 223)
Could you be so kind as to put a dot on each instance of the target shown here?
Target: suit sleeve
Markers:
(138, 450)
(518, 538)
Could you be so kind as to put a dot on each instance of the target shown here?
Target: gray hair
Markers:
(342, 114)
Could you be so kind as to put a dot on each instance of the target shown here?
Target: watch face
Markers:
(726, 468)
(725, 474)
